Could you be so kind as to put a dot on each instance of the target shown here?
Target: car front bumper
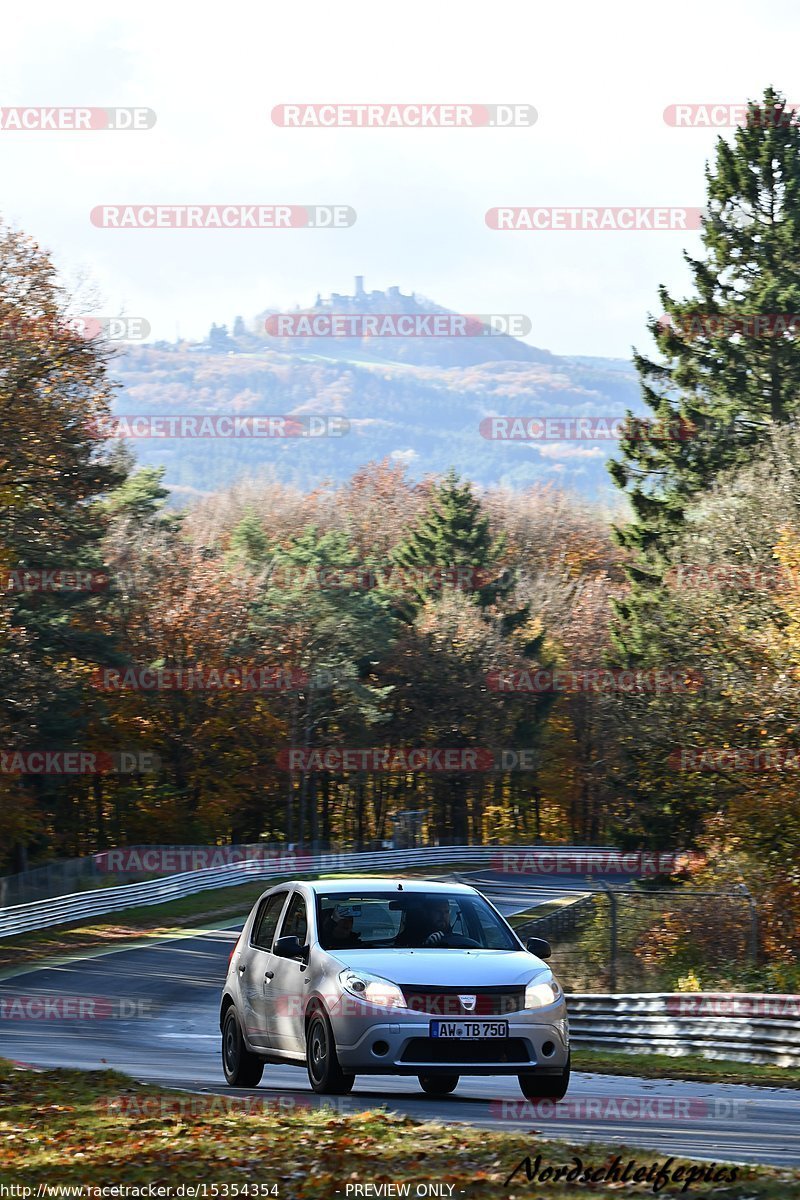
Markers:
(403, 1046)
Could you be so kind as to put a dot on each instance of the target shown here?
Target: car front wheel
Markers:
(242, 1069)
(543, 1087)
(324, 1070)
(438, 1085)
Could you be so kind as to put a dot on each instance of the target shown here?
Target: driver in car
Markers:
(439, 914)
(430, 926)
(425, 926)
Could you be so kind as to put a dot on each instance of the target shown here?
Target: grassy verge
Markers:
(686, 1066)
(71, 1127)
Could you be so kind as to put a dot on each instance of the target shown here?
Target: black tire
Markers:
(242, 1069)
(544, 1087)
(324, 1070)
(438, 1085)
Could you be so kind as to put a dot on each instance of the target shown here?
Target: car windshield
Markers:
(357, 920)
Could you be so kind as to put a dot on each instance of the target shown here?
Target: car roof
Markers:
(367, 885)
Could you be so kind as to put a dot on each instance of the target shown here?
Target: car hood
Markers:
(448, 968)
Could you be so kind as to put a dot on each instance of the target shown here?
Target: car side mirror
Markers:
(290, 947)
(538, 946)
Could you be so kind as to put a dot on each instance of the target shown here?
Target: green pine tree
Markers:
(451, 545)
(249, 539)
(142, 495)
(723, 378)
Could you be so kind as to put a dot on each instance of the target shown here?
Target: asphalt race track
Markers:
(167, 1033)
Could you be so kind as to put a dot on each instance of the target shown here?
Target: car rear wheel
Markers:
(438, 1085)
(324, 1070)
(242, 1069)
(544, 1087)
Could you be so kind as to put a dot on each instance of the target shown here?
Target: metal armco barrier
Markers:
(745, 1027)
(62, 910)
(129, 863)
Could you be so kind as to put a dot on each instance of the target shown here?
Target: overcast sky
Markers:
(600, 77)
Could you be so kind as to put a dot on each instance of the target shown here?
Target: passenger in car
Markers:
(337, 932)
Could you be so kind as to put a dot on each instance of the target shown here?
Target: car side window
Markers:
(295, 923)
(266, 921)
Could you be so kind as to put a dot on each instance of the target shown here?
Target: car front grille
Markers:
(446, 1002)
(451, 1050)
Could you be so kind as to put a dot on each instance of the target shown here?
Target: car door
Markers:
(257, 968)
(286, 1004)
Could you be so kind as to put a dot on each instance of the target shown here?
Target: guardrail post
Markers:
(612, 966)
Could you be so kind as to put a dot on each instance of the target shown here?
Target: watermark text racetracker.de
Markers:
(203, 425)
(408, 760)
(636, 863)
(594, 218)
(173, 860)
(720, 576)
(402, 325)
(114, 329)
(728, 324)
(385, 575)
(46, 118)
(55, 579)
(223, 216)
(733, 1004)
(202, 1106)
(725, 759)
(36, 1006)
(602, 428)
(596, 680)
(241, 678)
(727, 115)
(623, 1108)
(403, 116)
(78, 762)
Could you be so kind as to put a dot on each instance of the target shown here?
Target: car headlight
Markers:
(537, 995)
(372, 989)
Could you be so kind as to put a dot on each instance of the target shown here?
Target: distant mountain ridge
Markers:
(416, 400)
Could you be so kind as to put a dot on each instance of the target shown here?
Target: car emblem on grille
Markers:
(467, 1002)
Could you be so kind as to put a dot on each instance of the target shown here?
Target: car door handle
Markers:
(268, 974)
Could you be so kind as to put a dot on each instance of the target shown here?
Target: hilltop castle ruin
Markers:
(393, 297)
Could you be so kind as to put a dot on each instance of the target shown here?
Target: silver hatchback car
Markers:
(394, 977)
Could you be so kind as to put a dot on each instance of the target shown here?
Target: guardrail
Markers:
(62, 910)
(743, 1027)
(128, 864)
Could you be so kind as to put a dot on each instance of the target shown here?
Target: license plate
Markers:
(469, 1030)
